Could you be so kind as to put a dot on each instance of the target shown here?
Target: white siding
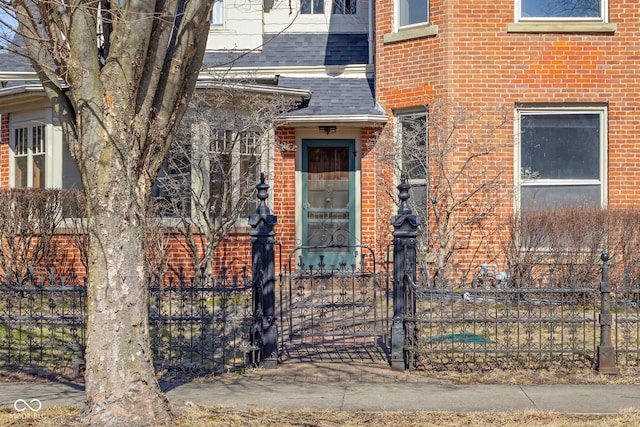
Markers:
(245, 23)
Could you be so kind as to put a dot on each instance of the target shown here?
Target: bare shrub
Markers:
(207, 183)
(29, 220)
(156, 238)
(74, 212)
(569, 241)
(456, 149)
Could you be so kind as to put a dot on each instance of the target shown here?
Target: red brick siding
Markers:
(4, 150)
(474, 60)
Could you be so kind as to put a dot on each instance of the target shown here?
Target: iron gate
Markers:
(333, 312)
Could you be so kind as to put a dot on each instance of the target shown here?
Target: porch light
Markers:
(327, 129)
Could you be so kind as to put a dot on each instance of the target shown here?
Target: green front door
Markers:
(328, 202)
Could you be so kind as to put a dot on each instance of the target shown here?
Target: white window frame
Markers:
(30, 122)
(314, 11)
(398, 12)
(217, 14)
(603, 18)
(200, 177)
(601, 111)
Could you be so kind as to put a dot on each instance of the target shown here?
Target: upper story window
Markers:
(344, 7)
(566, 10)
(561, 157)
(312, 7)
(412, 12)
(217, 14)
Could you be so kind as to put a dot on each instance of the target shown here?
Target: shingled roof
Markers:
(331, 96)
(298, 49)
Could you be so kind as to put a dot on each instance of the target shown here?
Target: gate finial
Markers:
(403, 195)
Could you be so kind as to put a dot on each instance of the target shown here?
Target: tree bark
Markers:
(121, 386)
(119, 96)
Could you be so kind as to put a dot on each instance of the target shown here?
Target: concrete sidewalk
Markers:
(355, 389)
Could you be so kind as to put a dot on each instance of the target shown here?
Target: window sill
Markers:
(411, 33)
(220, 29)
(561, 27)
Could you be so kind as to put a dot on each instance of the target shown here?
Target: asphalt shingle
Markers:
(335, 96)
(299, 49)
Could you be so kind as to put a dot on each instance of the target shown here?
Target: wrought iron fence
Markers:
(42, 323)
(487, 325)
(198, 325)
(625, 305)
(201, 325)
(334, 313)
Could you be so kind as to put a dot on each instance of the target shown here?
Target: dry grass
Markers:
(559, 375)
(196, 416)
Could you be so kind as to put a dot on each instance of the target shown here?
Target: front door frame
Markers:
(353, 134)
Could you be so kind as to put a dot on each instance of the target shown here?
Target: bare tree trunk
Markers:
(121, 387)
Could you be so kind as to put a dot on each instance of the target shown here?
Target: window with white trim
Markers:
(40, 157)
(29, 154)
(210, 171)
(217, 14)
(234, 169)
(411, 12)
(412, 136)
(561, 157)
(308, 7)
(561, 10)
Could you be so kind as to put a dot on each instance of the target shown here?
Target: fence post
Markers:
(405, 226)
(606, 352)
(265, 332)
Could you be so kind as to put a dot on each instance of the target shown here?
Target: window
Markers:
(412, 12)
(554, 10)
(412, 130)
(344, 7)
(40, 157)
(29, 153)
(217, 14)
(312, 6)
(210, 172)
(561, 157)
(234, 169)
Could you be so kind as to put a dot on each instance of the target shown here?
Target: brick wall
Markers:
(283, 191)
(4, 150)
(474, 60)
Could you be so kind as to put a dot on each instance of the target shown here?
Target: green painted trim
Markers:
(332, 256)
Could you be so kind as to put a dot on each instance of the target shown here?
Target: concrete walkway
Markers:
(354, 389)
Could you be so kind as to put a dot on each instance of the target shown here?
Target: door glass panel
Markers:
(328, 203)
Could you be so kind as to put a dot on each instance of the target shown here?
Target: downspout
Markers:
(370, 38)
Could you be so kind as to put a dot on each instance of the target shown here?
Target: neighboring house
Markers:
(566, 70)
(318, 159)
